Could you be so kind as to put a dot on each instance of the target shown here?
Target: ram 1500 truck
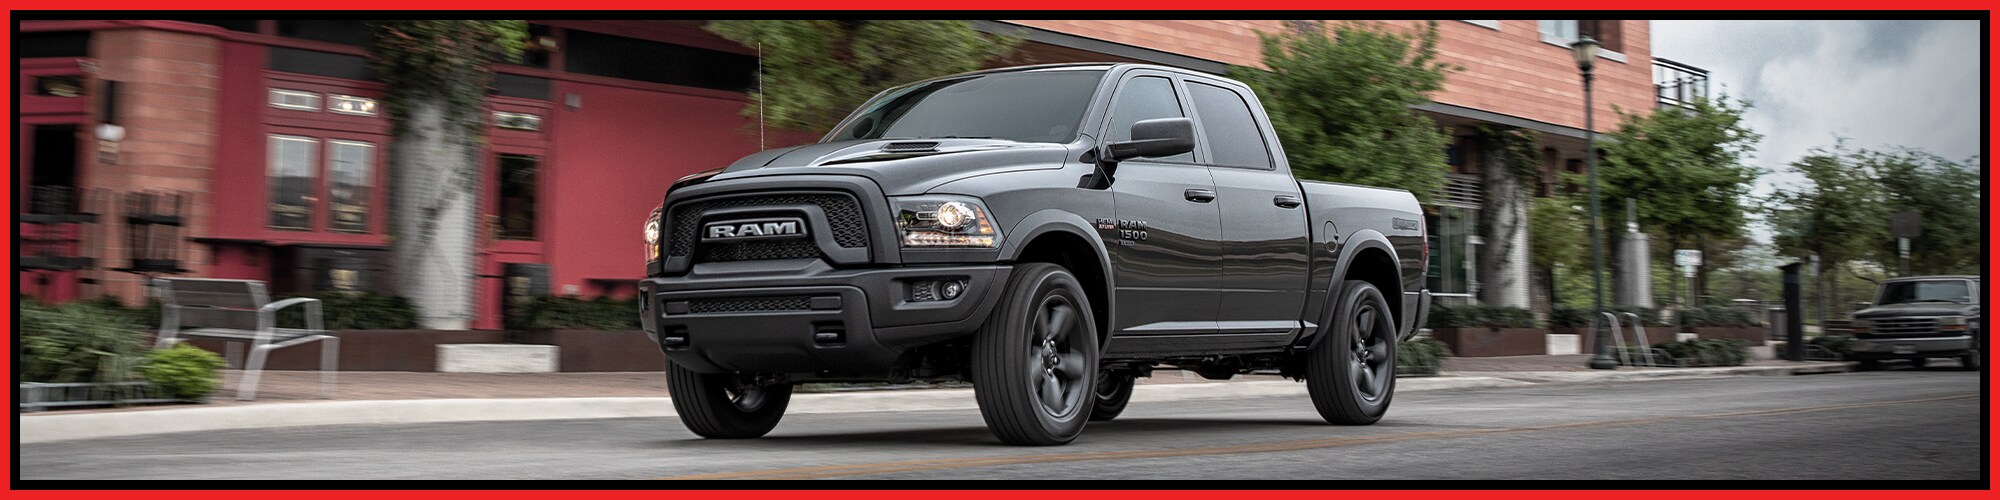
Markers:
(1048, 233)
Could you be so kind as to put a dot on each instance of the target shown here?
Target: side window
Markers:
(1144, 98)
(1233, 138)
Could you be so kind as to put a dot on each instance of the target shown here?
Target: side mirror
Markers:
(1154, 138)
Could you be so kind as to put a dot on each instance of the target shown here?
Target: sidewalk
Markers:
(291, 398)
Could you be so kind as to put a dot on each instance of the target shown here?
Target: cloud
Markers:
(1876, 83)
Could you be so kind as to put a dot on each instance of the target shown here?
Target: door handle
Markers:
(1287, 201)
(1200, 195)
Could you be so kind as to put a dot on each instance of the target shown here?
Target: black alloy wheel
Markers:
(726, 405)
(1114, 390)
(1034, 363)
(1351, 369)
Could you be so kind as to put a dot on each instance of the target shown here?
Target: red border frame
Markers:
(1037, 4)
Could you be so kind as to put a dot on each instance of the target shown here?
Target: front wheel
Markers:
(1034, 363)
(1351, 369)
(1969, 361)
(725, 405)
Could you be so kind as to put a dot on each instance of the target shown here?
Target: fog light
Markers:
(951, 289)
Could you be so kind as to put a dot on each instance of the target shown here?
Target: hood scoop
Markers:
(910, 147)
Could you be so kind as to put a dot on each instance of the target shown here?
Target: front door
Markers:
(1166, 257)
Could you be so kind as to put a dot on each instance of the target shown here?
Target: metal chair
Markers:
(241, 311)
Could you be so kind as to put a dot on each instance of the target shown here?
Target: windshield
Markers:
(1033, 106)
(1925, 291)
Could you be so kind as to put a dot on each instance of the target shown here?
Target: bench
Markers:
(241, 311)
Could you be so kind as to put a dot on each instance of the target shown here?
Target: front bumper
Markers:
(1893, 347)
(764, 316)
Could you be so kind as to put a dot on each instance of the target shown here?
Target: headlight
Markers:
(944, 222)
(1951, 323)
(652, 233)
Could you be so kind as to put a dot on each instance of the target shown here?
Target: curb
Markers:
(56, 428)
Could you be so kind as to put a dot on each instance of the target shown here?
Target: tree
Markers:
(815, 72)
(1685, 167)
(1556, 239)
(1838, 215)
(437, 75)
(1342, 104)
(1944, 194)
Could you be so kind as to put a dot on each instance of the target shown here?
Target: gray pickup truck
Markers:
(1921, 317)
(1048, 233)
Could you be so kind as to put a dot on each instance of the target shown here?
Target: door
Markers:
(1264, 233)
(1168, 233)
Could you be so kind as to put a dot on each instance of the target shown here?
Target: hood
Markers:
(1917, 309)
(902, 166)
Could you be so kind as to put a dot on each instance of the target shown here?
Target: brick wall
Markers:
(167, 89)
(1509, 71)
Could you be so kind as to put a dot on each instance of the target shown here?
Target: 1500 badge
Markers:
(1129, 230)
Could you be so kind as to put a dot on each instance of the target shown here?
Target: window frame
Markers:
(314, 157)
(1273, 152)
(1103, 135)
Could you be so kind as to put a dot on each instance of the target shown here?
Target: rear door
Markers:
(1264, 233)
(1167, 248)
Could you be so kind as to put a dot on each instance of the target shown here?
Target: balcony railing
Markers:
(1678, 84)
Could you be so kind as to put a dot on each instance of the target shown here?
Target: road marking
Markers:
(1278, 446)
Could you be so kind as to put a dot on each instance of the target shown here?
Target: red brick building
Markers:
(271, 133)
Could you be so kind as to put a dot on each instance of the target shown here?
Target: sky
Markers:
(1876, 83)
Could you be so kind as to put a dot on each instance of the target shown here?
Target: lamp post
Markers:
(1585, 50)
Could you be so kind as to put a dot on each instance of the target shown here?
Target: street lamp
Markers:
(1585, 50)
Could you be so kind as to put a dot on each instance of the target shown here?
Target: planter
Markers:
(1654, 336)
(1485, 342)
(36, 396)
(1755, 335)
(369, 350)
(601, 350)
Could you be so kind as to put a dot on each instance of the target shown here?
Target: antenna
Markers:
(760, 97)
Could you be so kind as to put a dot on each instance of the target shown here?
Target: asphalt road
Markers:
(1900, 424)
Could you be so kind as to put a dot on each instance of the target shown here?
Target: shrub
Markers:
(1579, 317)
(1421, 356)
(1717, 316)
(551, 312)
(186, 371)
(1479, 316)
(77, 342)
(353, 311)
(1708, 352)
(1839, 344)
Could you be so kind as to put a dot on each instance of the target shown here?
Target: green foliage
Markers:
(1579, 317)
(1685, 167)
(443, 61)
(1838, 214)
(1839, 344)
(1717, 316)
(354, 311)
(1556, 233)
(815, 72)
(1708, 352)
(186, 371)
(1342, 104)
(1946, 197)
(1421, 356)
(1480, 316)
(77, 342)
(551, 312)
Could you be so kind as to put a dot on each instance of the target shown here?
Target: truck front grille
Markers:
(750, 304)
(843, 217)
(1902, 326)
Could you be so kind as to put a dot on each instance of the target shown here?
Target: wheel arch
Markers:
(1065, 239)
(1368, 256)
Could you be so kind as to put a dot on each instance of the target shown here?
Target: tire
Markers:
(1919, 363)
(1351, 369)
(718, 406)
(1114, 390)
(1868, 365)
(1034, 362)
(1970, 361)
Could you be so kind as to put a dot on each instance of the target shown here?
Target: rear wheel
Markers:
(1970, 361)
(726, 405)
(1114, 389)
(1868, 365)
(1351, 370)
(1919, 362)
(1034, 363)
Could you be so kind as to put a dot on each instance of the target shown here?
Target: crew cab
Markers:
(1049, 233)
(1920, 317)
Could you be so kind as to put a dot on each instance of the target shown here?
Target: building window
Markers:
(351, 168)
(291, 181)
(350, 105)
(294, 99)
(1607, 33)
(518, 175)
(1492, 24)
(59, 86)
(1559, 32)
(1233, 136)
(344, 32)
